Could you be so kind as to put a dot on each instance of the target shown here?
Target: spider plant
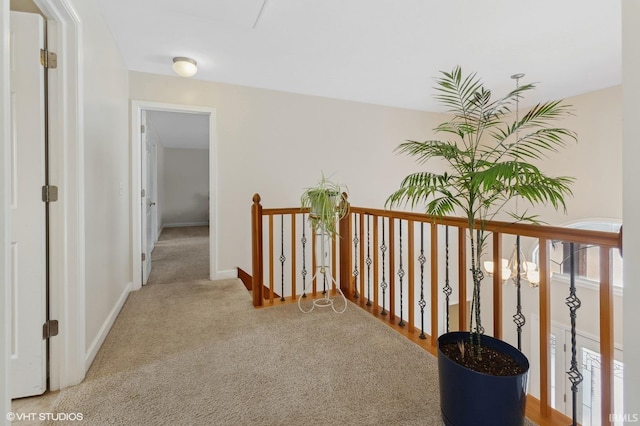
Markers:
(327, 202)
(489, 155)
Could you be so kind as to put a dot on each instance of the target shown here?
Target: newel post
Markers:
(256, 251)
(344, 228)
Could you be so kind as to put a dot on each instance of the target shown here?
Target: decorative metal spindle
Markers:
(368, 261)
(401, 323)
(304, 261)
(519, 318)
(422, 303)
(575, 377)
(282, 258)
(383, 284)
(355, 256)
(447, 290)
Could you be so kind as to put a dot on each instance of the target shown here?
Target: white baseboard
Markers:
(181, 225)
(229, 273)
(106, 326)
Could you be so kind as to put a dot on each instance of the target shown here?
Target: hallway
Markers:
(181, 254)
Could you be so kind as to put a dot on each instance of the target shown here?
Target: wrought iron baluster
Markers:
(575, 377)
(304, 261)
(383, 284)
(355, 257)
(447, 290)
(422, 303)
(368, 262)
(282, 258)
(519, 318)
(401, 323)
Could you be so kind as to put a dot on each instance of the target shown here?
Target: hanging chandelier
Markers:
(516, 268)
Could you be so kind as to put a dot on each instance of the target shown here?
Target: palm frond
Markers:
(540, 143)
(487, 154)
(423, 151)
(526, 217)
(458, 93)
(441, 206)
(418, 187)
(540, 114)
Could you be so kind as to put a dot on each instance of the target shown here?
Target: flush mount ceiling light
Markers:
(185, 67)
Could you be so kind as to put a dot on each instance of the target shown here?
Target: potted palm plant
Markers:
(327, 203)
(490, 155)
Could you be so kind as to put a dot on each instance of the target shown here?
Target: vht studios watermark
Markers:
(626, 417)
(12, 417)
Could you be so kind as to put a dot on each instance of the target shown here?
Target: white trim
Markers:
(66, 162)
(213, 191)
(93, 349)
(227, 274)
(585, 283)
(5, 306)
(183, 225)
(136, 188)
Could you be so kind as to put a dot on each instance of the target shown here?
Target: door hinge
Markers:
(49, 193)
(143, 193)
(49, 329)
(142, 128)
(48, 59)
(144, 257)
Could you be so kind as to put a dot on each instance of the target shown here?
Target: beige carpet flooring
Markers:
(188, 351)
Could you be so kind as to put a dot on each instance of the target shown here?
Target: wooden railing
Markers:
(393, 264)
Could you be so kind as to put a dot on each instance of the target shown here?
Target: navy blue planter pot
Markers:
(476, 399)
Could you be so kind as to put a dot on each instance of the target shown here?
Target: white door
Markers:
(152, 196)
(152, 208)
(28, 241)
(148, 197)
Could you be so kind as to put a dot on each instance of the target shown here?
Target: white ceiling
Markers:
(384, 52)
(180, 130)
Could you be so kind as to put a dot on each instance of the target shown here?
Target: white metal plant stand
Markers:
(323, 271)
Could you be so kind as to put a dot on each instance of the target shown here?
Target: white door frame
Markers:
(149, 222)
(66, 170)
(136, 185)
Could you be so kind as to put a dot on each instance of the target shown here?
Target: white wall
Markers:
(268, 144)
(5, 401)
(185, 187)
(631, 207)
(106, 175)
(595, 161)
(277, 143)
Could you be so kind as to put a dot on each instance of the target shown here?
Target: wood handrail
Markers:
(580, 236)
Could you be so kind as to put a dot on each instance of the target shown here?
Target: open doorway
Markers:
(173, 177)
